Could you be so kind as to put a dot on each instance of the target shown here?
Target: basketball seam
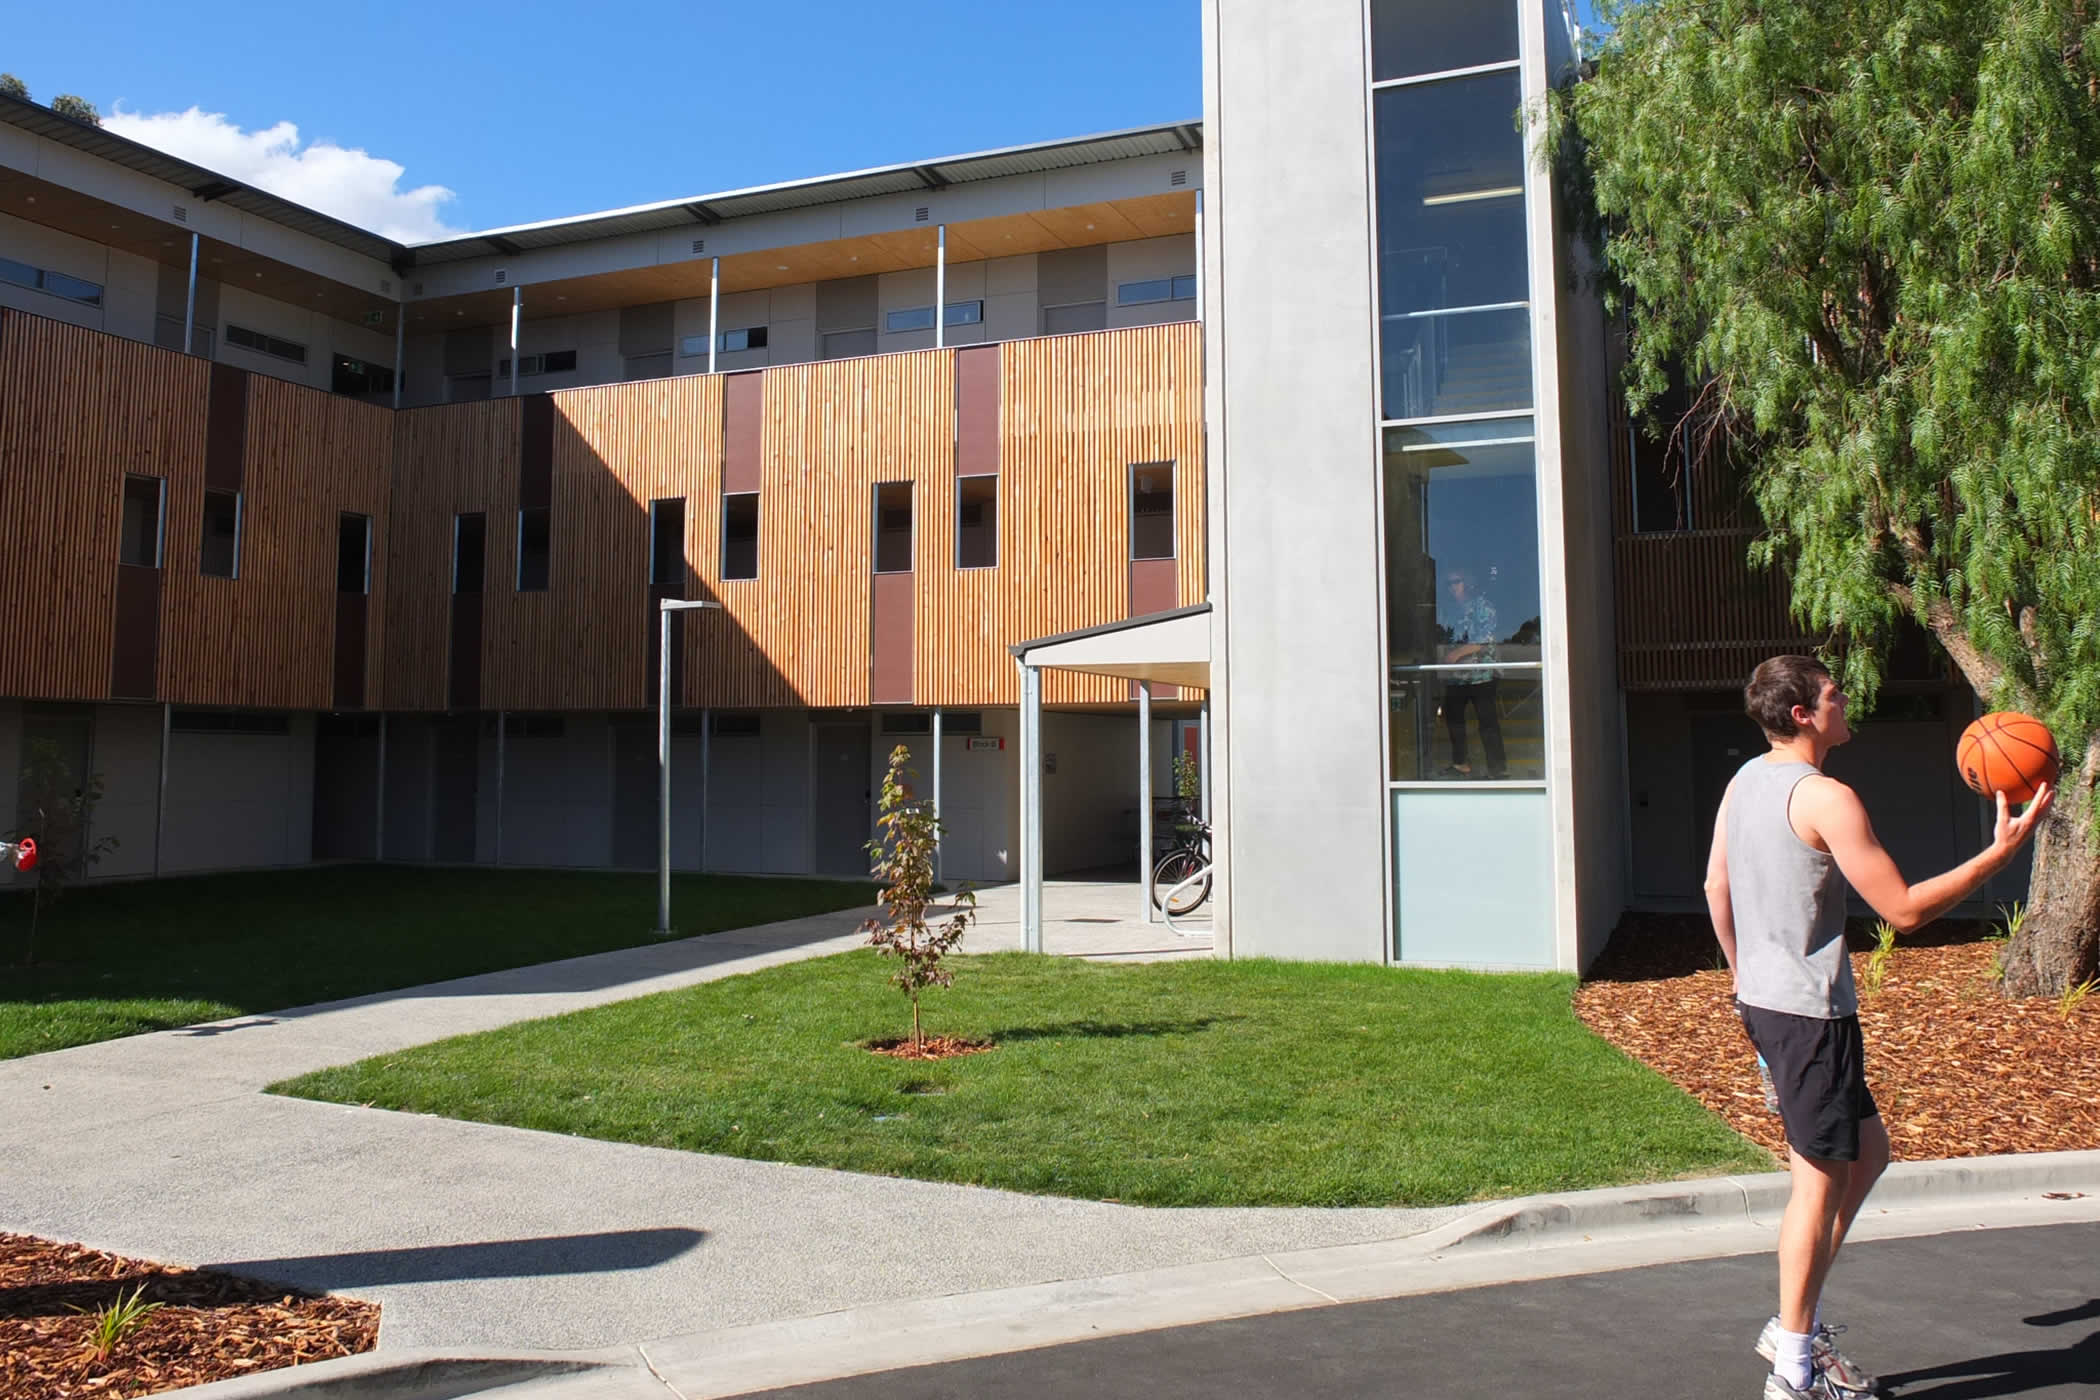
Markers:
(1992, 736)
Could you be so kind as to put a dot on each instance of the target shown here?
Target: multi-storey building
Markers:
(318, 546)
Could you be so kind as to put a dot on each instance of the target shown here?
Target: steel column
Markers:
(1145, 798)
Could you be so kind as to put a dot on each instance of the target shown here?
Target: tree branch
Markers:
(1982, 673)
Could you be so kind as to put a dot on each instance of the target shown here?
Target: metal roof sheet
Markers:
(693, 212)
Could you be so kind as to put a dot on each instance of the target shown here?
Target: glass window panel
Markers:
(21, 274)
(893, 527)
(1450, 195)
(1461, 544)
(469, 552)
(977, 522)
(1445, 728)
(910, 318)
(1185, 288)
(353, 553)
(139, 541)
(667, 542)
(965, 313)
(1152, 511)
(740, 535)
(1139, 293)
(1465, 362)
(1413, 37)
(75, 289)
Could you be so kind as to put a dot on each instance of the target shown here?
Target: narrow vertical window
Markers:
(139, 540)
(977, 522)
(221, 553)
(740, 535)
(469, 551)
(893, 527)
(667, 542)
(353, 553)
(1152, 511)
(534, 548)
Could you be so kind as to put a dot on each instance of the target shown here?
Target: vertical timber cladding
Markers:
(727, 663)
(1078, 412)
(79, 411)
(268, 637)
(832, 430)
(600, 456)
(461, 458)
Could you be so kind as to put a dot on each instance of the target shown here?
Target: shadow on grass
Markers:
(1108, 1030)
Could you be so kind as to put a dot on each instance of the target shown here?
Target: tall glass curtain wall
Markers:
(1466, 751)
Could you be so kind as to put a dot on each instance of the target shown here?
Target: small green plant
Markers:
(902, 852)
(1870, 981)
(2014, 914)
(1188, 788)
(2068, 1001)
(115, 1322)
(61, 808)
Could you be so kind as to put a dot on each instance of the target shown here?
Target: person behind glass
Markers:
(1472, 638)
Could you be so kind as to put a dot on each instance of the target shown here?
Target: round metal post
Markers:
(663, 771)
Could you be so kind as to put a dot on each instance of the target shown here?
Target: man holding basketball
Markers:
(1787, 840)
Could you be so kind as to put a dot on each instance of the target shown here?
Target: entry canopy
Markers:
(1166, 648)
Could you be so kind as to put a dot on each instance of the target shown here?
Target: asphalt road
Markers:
(1951, 1317)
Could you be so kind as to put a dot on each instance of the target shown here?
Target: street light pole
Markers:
(665, 607)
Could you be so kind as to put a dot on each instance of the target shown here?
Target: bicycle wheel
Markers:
(1176, 867)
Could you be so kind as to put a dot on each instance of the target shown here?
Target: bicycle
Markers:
(1186, 864)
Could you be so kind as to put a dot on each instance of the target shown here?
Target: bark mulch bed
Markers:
(932, 1047)
(1957, 1069)
(211, 1327)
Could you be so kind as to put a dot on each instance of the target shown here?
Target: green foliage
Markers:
(14, 87)
(907, 833)
(1871, 229)
(78, 108)
(2071, 998)
(2015, 916)
(114, 1322)
(1877, 971)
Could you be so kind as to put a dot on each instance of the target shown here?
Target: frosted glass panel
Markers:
(1473, 877)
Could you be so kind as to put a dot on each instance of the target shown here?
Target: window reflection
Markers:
(1453, 281)
(1413, 37)
(1462, 590)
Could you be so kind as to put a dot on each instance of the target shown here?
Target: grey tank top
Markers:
(1788, 899)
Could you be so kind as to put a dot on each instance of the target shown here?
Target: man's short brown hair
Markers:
(1779, 684)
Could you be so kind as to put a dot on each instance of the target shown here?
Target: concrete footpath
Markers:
(555, 1265)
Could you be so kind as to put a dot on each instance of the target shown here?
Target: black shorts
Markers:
(1819, 1070)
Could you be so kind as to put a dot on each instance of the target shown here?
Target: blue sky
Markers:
(443, 117)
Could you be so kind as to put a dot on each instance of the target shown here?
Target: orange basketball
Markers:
(2007, 752)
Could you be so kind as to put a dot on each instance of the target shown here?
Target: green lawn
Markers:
(119, 959)
(1196, 1083)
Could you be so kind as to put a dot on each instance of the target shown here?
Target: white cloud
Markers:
(351, 184)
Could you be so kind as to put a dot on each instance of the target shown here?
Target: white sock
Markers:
(1790, 1362)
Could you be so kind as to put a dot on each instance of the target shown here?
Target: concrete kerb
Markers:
(1531, 1237)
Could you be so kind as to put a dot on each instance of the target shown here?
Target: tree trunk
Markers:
(2058, 945)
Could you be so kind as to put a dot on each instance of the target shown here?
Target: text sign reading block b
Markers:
(990, 743)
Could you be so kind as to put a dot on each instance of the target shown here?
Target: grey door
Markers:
(843, 794)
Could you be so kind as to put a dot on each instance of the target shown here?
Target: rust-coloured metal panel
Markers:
(743, 430)
(350, 650)
(463, 661)
(889, 670)
(1152, 587)
(226, 429)
(977, 411)
(535, 452)
(137, 633)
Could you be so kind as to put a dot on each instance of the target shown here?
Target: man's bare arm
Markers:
(1838, 819)
(1718, 903)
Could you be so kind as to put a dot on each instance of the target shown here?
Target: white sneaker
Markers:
(1845, 1375)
